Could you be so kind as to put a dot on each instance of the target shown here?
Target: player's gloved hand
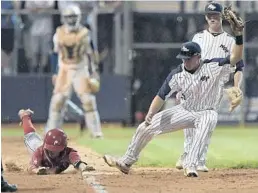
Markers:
(235, 96)
(148, 118)
(94, 82)
(236, 23)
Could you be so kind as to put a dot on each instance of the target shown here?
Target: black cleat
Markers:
(5, 187)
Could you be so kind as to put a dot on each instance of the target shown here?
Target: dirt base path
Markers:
(141, 180)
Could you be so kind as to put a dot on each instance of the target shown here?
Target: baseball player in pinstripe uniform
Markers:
(215, 43)
(197, 80)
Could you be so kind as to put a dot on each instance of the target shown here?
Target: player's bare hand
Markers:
(25, 112)
(42, 171)
(148, 118)
(83, 167)
(235, 96)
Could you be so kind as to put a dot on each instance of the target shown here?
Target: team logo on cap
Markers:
(212, 7)
(185, 49)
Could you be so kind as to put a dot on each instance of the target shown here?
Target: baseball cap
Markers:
(188, 50)
(213, 7)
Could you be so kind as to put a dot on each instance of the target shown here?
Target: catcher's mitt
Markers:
(236, 23)
(235, 96)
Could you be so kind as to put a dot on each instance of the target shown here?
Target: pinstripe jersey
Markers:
(217, 46)
(200, 90)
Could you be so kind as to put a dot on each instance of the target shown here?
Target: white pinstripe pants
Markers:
(189, 135)
(171, 120)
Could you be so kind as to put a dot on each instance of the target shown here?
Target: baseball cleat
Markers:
(179, 164)
(25, 112)
(190, 172)
(202, 168)
(5, 187)
(113, 162)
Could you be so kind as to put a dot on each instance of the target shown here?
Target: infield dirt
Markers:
(140, 180)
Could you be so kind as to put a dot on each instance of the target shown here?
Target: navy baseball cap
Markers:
(213, 7)
(188, 50)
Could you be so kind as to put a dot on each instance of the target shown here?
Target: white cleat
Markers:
(202, 168)
(25, 112)
(190, 172)
(179, 164)
(113, 162)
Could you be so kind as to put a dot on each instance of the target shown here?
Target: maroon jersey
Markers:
(41, 159)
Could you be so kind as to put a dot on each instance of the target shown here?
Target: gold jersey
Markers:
(74, 45)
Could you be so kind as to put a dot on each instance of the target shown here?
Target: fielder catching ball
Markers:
(215, 43)
(200, 84)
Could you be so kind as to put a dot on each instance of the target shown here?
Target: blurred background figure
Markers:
(137, 42)
(41, 31)
(7, 39)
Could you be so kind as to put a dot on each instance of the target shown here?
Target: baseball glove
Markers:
(235, 96)
(236, 22)
(93, 84)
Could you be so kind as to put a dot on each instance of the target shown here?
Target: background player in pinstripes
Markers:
(197, 80)
(215, 43)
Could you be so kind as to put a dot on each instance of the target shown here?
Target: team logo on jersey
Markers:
(184, 49)
(204, 78)
(212, 7)
(224, 48)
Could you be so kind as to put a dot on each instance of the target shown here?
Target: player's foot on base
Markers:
(190, 172)
(179, 164)
(113, 162)
(202, 168)
(24, 112)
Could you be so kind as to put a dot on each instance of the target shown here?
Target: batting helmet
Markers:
(55, 140)
(213, 7)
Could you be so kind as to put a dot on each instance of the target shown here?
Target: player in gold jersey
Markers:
(78, 69)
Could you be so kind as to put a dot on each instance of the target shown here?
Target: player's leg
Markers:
(45, 46)
(89, 103)
(188, 139)
(75, 112)
(202, 161)
(32, 140)
(205, 123)
(165, 121)
(35, 49)
(58, 99)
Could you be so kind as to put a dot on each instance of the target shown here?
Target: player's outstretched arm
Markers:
(237, 52)
(168, 88)
(155, 106)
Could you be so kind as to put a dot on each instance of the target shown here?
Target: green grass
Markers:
(230, 147)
